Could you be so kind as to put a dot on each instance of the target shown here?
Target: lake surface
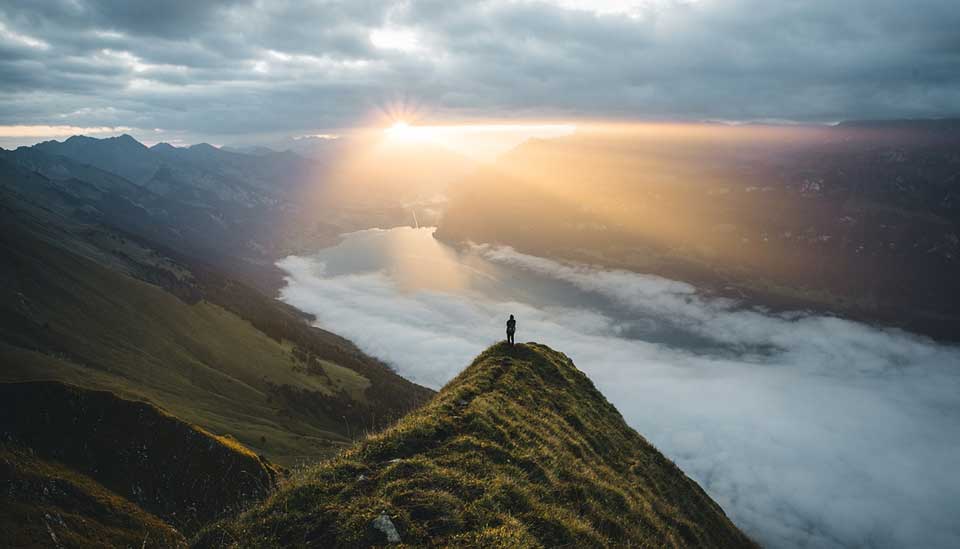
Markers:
(810, 431)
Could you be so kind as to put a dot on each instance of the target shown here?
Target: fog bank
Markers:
(809, 431)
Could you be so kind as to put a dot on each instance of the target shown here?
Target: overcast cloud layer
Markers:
(809, 431)
(235, 70)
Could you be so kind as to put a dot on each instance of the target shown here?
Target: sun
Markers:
(399, 127)
(401, 130)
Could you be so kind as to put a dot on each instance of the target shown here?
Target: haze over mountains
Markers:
(90, 300)
(150, 272)
(794, 216)
(240, 211)
(132, 287)
(859, 219)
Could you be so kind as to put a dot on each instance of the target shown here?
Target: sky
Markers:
(809, 431)
(246, 72)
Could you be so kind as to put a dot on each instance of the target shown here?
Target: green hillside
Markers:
(75, 307)
(520, 450)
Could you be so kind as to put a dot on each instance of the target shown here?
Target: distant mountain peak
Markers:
(203, 147)
(82, 140)
(79, 138)
(126, 139)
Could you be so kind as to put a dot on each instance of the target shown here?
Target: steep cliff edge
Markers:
(144, 456)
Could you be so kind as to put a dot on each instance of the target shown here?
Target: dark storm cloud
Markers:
(169, 19)
(237, 67)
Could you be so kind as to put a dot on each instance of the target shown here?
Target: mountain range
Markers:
(152, 387)
(240, 212)
(109, 285)
(155, 393)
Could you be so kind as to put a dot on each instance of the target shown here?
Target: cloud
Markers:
(810, 431)
(13, 135)
(239, 68)
(54, 131)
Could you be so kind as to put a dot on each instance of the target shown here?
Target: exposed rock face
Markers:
(520, 450)
(174, 470)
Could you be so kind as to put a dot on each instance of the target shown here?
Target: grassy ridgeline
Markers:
(520, 450)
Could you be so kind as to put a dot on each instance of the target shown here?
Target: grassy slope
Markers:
(48, 505)
(68, 318)
(520, 450)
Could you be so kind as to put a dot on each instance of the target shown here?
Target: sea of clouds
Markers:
(809, 431)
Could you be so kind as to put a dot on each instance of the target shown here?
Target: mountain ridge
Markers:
(519, 450)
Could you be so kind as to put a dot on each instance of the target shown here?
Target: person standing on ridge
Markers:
(511, 328)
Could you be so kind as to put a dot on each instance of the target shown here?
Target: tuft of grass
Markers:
(520, 450)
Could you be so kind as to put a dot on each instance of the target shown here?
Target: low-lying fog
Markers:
(809, 431)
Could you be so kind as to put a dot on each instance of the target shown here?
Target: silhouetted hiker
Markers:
(511, 328)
